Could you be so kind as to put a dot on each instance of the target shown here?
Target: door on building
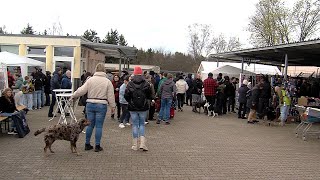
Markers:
(65, 63)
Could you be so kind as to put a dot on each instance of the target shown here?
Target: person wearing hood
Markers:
(138, 94)
(110, 76)
(243, 90)
(197, 85)
(167, 93)
(189, 91)
(182, 88)
(100, 93)
(55, 83)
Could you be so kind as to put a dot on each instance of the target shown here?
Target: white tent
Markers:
(11, 59)
(226, 70)
(206, 67)
(230, 71)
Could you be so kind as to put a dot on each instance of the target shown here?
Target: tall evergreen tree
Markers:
(112, 37)
(28, 30)
(122, 40)
(91, 35)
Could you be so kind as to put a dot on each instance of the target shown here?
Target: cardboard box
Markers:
(303, 101)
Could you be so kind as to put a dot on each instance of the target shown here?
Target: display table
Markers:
(63, 105)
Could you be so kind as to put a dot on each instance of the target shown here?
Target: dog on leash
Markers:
(211, 112)
(66, 132)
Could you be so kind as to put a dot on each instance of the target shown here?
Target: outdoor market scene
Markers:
(195, 93)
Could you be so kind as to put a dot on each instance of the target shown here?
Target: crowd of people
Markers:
(138, 96)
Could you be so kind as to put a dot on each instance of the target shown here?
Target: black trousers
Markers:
(211, 100)
(262, 107)
(189, 98)
(152, 110)
(242, 110)
(118, 109)
(125, 116)
(53, 102)
(47, 99)
(180, 98)
(231, 103)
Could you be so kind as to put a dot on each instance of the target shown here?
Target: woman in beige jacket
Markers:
(100, 93)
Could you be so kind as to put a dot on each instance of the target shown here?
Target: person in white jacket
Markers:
(100, 94)
(182, 87)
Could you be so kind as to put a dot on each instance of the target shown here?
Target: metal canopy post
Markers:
(120, 64)
(242, 62)
(128, 64)
(286, 67)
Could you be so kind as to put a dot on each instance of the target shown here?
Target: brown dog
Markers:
(63, 132)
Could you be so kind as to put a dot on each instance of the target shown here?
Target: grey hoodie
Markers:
(168, 89)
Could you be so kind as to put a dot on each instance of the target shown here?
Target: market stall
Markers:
(10, 59)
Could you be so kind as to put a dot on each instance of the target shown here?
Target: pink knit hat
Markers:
(137, 70)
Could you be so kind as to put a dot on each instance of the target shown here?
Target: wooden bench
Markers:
(5, 119)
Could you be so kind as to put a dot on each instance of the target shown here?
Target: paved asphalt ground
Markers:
(194, 146)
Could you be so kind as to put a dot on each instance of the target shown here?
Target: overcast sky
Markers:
(144, 23)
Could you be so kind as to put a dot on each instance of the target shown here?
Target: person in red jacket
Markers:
(210, 86)
(116, 85)
(11, 80)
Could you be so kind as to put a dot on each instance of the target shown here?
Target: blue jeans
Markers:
(138, 119)
(28, 100)
(164, 113)
(96, 114)
(9, 115)
(284, 110)
(37, 99)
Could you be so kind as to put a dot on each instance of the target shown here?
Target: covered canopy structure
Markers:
(10, 59)
(124, 53)
(306, 53)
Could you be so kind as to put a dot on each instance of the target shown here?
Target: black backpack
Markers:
(139, 98)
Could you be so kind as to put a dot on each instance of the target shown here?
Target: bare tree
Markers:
(271, 24)
(200, 40)
(233, 44)
(307, 18)
(219, 44)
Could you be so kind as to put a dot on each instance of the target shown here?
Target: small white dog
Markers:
(210, 112)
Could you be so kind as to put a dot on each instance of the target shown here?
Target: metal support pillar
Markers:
(128, 64)
(286, 67)
(242, 64)
(120, 65)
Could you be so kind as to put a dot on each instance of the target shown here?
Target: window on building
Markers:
(37, 50)
(10, 48)
(63, 51)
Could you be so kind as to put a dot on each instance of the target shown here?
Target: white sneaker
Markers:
(12, 133)
(146, 122)
(128, 124)
(121, 125)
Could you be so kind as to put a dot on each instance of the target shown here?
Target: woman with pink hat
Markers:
(137, 94)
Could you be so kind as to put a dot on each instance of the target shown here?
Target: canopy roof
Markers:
(306, 53)
(111, 49)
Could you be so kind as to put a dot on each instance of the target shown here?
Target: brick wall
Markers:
(92, 58)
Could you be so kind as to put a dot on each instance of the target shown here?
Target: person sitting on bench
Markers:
(8, 107)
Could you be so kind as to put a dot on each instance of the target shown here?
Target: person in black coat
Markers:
(47, 87)
(243, 90)
(197, 86)
(264, 97)
(55, 84)
(189, 91)
(8, 106)
(254, 101)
